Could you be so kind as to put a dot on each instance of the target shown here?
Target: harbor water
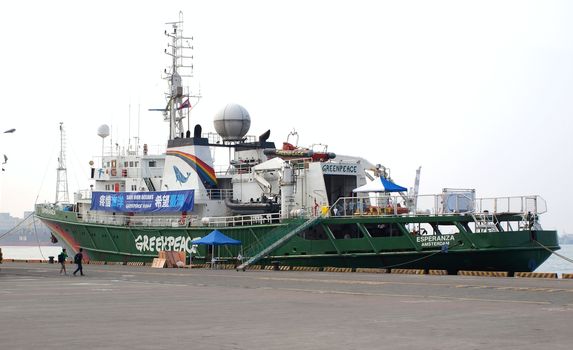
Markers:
(553, 264)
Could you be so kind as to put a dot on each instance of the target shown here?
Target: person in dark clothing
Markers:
(62, 260)
(78, 260)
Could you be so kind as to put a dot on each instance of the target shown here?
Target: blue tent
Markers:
(380, 185)
(216, 237)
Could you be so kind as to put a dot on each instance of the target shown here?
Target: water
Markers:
(27, 252)
(557, 264)
(553, 264)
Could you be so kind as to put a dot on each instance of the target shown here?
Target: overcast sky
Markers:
(477, 93)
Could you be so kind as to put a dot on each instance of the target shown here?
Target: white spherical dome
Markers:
(232, 122)
(103, 131)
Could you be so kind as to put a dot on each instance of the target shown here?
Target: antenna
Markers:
(138, 125)
(62, 180)
(129, 129)
(180, 50)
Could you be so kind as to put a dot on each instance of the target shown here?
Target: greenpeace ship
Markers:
(287, 205)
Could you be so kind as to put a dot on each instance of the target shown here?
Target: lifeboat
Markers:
(251, 208)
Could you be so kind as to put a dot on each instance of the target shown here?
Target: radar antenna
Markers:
(178, 104)
(62, 180)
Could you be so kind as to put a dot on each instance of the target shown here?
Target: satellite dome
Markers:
(232, 122)
(103, 131)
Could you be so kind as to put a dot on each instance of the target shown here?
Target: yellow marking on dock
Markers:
(371, 270)
(536, 274)
(483, 273)
(408, 271)
(305, 268)
(97, 262)
(337, 269)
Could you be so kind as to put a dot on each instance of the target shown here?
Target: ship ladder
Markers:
(485, 222)
(275, 240)
(149, 184)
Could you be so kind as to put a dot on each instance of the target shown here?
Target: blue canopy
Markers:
(217, 238)
(380, 185)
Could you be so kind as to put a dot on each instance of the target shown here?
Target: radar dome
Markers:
(232, 122)
(103, 131)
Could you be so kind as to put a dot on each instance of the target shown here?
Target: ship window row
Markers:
(131, 164)
(126, 164)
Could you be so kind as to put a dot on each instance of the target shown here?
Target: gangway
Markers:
(276, 239)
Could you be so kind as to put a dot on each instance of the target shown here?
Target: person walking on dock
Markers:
(78, 260)
(62, 260)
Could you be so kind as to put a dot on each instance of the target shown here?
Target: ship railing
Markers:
(214, 194)
(533, 204)
(208, 194)
(216, 139)
(83, 195)
(141, 220)
(438, 204)
(241, 220)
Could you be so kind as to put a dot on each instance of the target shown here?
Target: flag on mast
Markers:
(185, 104)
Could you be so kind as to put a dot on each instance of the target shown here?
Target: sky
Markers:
(477, 93)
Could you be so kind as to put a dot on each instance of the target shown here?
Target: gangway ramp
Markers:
(275, 239)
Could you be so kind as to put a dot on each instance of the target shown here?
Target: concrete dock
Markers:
(128, 307)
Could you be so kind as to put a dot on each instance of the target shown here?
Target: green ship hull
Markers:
(289, 205)
(350, 242)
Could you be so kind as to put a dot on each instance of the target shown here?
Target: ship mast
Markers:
(62, 180)
(178, 105)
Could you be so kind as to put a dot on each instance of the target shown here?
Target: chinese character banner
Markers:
(165, 201)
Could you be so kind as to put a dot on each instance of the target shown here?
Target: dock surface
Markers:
(130, 307)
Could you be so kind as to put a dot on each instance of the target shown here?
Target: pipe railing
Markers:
(439, 204)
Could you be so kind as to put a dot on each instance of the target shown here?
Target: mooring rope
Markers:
(419, 259)
(37, 238)
(17, 225)
(553, 252)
